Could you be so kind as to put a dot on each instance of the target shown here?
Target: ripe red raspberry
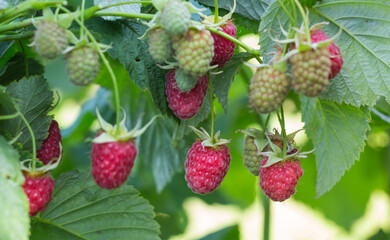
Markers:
(335, 55)
(224, 48)
(50, 147)
(185, 104)
(39, 189)
(206, 167)
(112, 163)
(279, 180)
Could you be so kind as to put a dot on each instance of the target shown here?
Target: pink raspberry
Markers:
(224, 48)
(335, 54)
(279, 180)
(185, 104)
(50, 147)
(206, 167)
(39, 189)
(112, 163)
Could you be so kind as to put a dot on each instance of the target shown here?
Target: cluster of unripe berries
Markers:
(51, 40)
(194, 52)
(311, 71)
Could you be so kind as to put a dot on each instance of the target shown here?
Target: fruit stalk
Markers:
(283, 127)
(34, 158)
(212, 106)
(127, 15)
(124, 3)
(11, 116)
(235, 40)
(267, 215)
(307, 28)
(216, 11)
(111, 72)
(82, 18)
(88, 13)
(15, 12)
(292, 20)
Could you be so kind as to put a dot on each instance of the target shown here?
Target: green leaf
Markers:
(9, 162)
(34, 99)
(338, 133)
(156, 149)
(365, 74)
(82, 210)
(221, 82)
(160, 154)
(15, 69)
(14, 219)
(252, 9)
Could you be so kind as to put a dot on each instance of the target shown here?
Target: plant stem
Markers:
(82, 19)
(11, 116)
(216, 11)
(294, 12)
(88, 13)
(287, 12)
(107, 64)
(127, 15)
(305, 21)
(32, 136)
(267, 216)
(24, 7)
(123, 3)
(283, 126)
(235, 40)
(212, 106)
(286, 45)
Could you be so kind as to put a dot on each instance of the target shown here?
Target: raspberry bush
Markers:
(100, 100)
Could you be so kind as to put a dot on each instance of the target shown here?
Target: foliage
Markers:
(339, 123)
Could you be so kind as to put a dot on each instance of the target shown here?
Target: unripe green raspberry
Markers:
(251, 158)
(184, 82)
(83, 65)
(175, 17)
(50, 39)
(160, 45)
(194, 52)
(268, 89)
(311, 71)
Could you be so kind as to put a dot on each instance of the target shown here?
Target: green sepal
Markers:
(253, 132)
(259, 136)
(65, 20)
(47, 14)
(277, 151)
(123, 135)
(206, 139)
(41, 169)
(273, 158)
(209, 20)
(280, 66)
(261, 144)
